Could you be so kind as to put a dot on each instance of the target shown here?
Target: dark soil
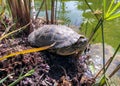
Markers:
(50, 69)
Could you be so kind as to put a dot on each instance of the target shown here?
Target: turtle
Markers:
(67, 41)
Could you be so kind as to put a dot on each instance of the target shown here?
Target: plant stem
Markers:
(52, 11)
(96, 28)
(91, 9)
(56, 12)
(103, 44)
(108, 62)
(46, 11)
(111, 59)
(29, 73)
(115, 70)
(39, 9)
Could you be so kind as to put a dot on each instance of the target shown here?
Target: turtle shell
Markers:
(62, 36)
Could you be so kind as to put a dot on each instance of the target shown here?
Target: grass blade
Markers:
(29, 73)
(2, 80)
(7, 29)
(6, 35)
(26, 51)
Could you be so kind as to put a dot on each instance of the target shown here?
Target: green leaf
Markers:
(111, 4)
(102, 81)
(113, 16)
(114, 9)
(29, 73)
(104, 6)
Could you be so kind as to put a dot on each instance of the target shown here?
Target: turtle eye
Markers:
(82, 37)
(81, 40)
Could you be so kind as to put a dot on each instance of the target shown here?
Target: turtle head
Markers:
(78, 47)
(81, 43)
